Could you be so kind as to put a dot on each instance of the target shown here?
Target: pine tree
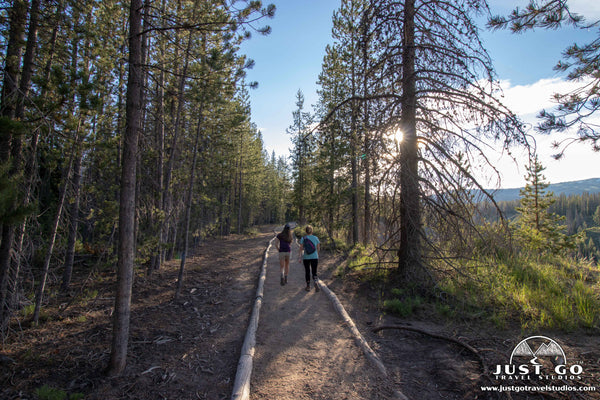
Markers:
(330, 179)
(302, 156)
(538, 229)
(348, 127)
(65, 88)
(576, 109)
(419, 68)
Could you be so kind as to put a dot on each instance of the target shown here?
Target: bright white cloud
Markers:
(527, 101)
(590, 9)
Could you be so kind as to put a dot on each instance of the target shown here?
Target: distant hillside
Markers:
(568, 188)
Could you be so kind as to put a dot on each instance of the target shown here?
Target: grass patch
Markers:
(251, 231)
(445, 310)
(362, 262)
(88, 295)
(533, 293)
(28, 310)
(554, 292)
(403, 307)
(49, 393)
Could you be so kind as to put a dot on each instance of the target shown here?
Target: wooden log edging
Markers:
(358, 337)
(241, 386)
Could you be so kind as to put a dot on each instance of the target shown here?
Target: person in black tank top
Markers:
(284, 245)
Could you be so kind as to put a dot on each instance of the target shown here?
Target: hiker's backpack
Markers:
(309, 246)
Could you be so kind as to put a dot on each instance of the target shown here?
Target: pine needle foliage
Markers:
(538, 229)
(576, 112)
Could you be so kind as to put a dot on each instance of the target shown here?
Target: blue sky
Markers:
(290, 59)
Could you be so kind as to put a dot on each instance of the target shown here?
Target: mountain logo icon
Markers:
(545, 347)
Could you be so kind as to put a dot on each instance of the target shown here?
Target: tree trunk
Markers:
(331, 201)
(159, 123)
(367, 198)
(28, 59)
(173, 240)
(354, 145)
(177, 128)
(367, 138)
(126, 252)
(409, 252)
(17, 21)
(240, 184)
(30, 165)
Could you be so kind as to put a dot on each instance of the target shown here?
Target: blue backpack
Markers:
(309, 246)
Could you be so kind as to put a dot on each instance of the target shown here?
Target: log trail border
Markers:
(358, 337)
(241, 387)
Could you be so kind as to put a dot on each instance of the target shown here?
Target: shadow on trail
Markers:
(303, 349)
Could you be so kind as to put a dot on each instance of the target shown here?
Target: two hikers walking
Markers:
(309, 254)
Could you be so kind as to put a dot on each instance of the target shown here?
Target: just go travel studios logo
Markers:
(538, 358)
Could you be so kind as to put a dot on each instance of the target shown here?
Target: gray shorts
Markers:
(284, 255)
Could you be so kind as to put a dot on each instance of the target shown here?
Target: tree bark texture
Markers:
(126, 248)
(410, 208)
(159, 124)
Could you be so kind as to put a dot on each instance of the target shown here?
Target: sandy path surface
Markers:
(303, 349)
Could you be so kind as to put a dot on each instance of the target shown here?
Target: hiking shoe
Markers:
(285, 280)
(307, 287)
(316, 287)
(282, 281)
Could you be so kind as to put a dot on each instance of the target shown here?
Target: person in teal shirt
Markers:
(309, 253)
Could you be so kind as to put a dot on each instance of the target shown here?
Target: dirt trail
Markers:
(189, 349)
(303, 349)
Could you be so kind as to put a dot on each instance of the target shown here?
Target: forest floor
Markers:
(189, 349)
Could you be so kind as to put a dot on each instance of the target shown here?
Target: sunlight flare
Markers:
(397, 135)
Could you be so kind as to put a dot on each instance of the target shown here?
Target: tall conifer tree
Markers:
(426, 75)
(538, 229)
(302, 156)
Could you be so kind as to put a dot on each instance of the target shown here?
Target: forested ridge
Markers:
(126, 139)
(567, 188)
(581, 215)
